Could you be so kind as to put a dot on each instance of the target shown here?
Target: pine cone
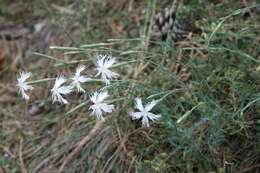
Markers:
(163, 23)
(181, 29)
(166, 22)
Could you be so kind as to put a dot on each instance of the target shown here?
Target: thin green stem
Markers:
(71, 62)
(184, 116)
(77, 107)
(115, 100)
(95, 80)
(47, 56)
(123, 63)
(41, 81)
(169, 93)
(248, 105)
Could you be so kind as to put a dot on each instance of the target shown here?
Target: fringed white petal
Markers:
(23, 85)
(145, 113)
(150, 105)
(105, 62)
(59, 90)
(138, 104)
(78, 78)
(99, 107)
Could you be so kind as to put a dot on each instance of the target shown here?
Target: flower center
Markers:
(145, 113)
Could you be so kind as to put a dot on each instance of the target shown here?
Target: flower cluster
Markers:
(99, 106)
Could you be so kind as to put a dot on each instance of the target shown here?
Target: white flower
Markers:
(77, 78)
(104, 62)
(145, 113)
(58, 90)
(99, 106)
(23, 85)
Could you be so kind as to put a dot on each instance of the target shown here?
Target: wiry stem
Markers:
(40, 81)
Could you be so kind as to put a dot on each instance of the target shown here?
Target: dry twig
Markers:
(99, 125)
